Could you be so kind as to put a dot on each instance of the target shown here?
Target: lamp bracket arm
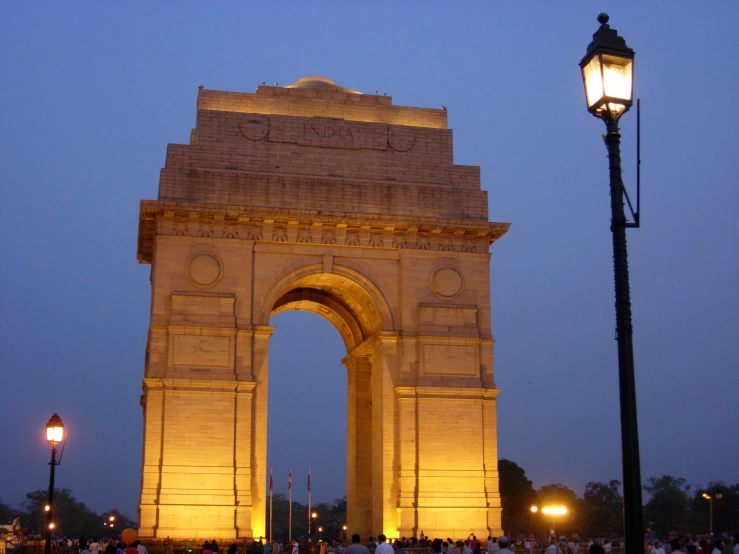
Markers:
(63, 445)
(635, 214)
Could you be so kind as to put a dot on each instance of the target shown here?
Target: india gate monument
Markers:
(316, 197)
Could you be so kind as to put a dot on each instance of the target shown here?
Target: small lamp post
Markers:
(607, 71)
(710, 496)
(54, 435)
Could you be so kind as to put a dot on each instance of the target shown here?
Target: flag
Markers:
(290, 480)
(309, 480)
(270, 480)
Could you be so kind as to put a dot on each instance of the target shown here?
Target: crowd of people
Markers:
(575, 544)
(86, 545)
(673, 544)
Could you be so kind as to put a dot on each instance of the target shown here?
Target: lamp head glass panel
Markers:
(54, 430)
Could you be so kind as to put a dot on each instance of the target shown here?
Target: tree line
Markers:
(672, 505)
(72, 518)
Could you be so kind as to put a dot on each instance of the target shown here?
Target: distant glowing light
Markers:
(554, 510)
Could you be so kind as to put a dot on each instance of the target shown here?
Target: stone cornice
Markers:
(256, 223)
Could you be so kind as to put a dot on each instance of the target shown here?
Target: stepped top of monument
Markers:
(315, 96)
(319, 155)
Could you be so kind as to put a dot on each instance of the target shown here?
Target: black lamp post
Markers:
(54, 435)
(607, 70)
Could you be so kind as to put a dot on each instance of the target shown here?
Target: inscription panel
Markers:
(201, 351)
(450, 317)
(327, 133)
(450, 359)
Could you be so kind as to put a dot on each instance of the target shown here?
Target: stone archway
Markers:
(315, 197)
(360, 314)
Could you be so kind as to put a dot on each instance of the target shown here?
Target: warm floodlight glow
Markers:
(112, 518)
(706, 496)
(314, 515)
(51, 525)
(344, 527)
(47, 508)
(534, 509)
(554, 510)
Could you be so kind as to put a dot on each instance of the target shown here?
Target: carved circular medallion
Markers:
(255, 128)
(401, 139)
(447, 283)
(204, 270)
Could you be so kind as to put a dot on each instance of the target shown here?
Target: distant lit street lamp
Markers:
(553, 511)
(54, 435)
(607, 71)
(710, 496)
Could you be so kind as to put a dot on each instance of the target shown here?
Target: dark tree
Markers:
(603, 509)
(516, 497)
(668, 503)
(71, 516)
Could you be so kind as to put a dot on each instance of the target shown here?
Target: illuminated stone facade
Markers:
(315, 197)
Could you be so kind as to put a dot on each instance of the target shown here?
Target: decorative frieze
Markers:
(314, 230)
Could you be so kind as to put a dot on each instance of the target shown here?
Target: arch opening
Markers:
(307, 414)
(326, 305)
(357, 310)
(347, 287)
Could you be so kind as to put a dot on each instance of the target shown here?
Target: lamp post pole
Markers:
(54, 435)
(49, 520)
(627, 383)
(607, 70)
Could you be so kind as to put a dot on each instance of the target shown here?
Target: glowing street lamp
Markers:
(710, 496)
(608, 75)
(553, 511)
(54, 435)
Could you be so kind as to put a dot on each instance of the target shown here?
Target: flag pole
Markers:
(290, 518)
(309, 518)
(270, 505)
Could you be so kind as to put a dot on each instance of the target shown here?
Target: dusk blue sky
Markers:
(92, 93)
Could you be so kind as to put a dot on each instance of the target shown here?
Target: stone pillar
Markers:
(385, 369)
(359, 446)
(490, 460)
(408, 456)
(242, 458)
(153, 404)
(260, 364)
